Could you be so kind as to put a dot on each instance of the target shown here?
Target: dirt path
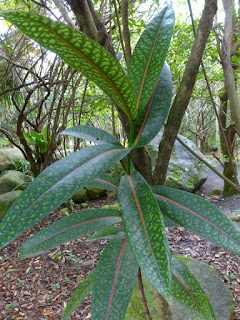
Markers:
(228, 204)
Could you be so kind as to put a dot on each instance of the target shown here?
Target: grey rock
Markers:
(10, 180)
(7, 156)
(218, 293)
(6, 200)
(185, 171)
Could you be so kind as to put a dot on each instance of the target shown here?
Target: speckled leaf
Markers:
(146, 231)
(110, 232)
(149, 55)
(78, 296)
(81, 53)
(69, 228)
(114, 281)
(55, 185)
(200, 216)
(153, 116)
(187, 290)
(93, 134)
(105, 181)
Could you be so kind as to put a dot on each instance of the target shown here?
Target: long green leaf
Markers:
(90, 133)
(81, 53)
(199, 216)
(78, 296)
(114, 281)
(149, 55)
(146, 231)
(55, 185)
(153, 116)
(110, 232)
(69, 228)
(188, 291)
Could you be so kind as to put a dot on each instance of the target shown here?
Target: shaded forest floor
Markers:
(39, 288)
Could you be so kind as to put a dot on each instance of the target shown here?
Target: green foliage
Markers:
(22, 165)
(39, 140)
(199, 216)
(188, 291)
(55, 185)
(140, 241)
(69, 228)
(149, 55)
(145, 231)
(78, 296)
(81, 53)
(111, 296)
(92, 134)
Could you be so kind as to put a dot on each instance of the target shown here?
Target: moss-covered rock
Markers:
(80, 196)
(216, 192)
(8, 156)
(6, 200)
(94, 193)
(185, 171)
(88, 193)
(10, 180)
(217, 292)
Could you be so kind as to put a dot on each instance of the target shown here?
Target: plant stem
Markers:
(142, 296)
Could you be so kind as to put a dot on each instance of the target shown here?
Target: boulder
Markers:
(7, 156)
(88, 193)
(80, 196)
(185, 171)
(218, 293)
(94, 193)
(10, 180)
(6, 200)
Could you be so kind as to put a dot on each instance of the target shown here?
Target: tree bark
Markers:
(227, 146)
(126, 32)
(227, 66)
(184, 93)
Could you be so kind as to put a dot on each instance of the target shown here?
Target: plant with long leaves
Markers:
(136, 230)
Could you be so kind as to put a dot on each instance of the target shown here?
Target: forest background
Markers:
(41, 96)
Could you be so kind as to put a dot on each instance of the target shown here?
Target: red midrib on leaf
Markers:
(75, 226)
(147, 66)
(40, 197)
(146, 116)
(112, 84)
(115, 278)
(190, 294)
(141, 216)
(194, 213)
(109, 183)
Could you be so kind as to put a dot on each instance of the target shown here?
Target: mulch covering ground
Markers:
(38, 288)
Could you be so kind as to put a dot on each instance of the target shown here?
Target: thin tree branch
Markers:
(235, 186)
(126, 32)
(120, 30)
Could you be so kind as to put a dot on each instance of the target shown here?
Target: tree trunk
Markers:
(227, 145)
(184, 93)
(227, 66)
